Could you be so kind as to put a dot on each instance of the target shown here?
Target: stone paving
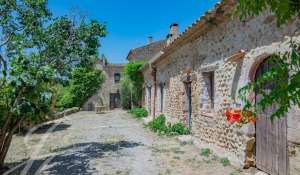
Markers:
(114, 143)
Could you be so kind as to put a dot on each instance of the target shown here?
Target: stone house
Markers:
(196, 77)
(147, 51)
(109, 93)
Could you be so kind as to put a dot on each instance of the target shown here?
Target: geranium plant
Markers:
(240, 116)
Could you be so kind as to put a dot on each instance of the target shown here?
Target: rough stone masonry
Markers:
(220, 54)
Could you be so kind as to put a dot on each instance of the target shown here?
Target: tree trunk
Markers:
(5, 143)
(53, 102)
(4, 150)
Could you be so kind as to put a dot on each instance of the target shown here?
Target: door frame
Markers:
(187, 80)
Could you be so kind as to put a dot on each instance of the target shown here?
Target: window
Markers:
(117, 77)
(208, 90)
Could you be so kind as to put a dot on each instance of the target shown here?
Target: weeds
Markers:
(159, 126)
(139, 112)
(225, 161)
(205, 152)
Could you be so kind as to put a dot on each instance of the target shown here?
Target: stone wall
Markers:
(109, 86)
(209, 52)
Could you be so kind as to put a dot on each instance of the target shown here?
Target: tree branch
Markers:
(6, 41)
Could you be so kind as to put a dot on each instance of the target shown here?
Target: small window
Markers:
(208, 90)
(117, 77)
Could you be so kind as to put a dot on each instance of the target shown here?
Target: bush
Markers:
(139, 112)
(159, 125)
(83, 84)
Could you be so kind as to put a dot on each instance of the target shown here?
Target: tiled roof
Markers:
(146, 52)
(216, 15)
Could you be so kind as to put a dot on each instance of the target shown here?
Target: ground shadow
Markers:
(45, 128)
(74, 159)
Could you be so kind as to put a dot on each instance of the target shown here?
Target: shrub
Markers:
(180, 129)
(139, 112)
(159, 125)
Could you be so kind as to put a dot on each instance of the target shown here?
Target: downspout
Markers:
(154, 70)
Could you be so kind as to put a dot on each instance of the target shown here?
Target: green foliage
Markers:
(133, 73)
(135, 79)
(225, 161)
(159, 125)
(285, 76)
(139, 112)
(179, 128)
(37, 52)
(206, 152)
(284, 10)
(125, 93)
(84, 83)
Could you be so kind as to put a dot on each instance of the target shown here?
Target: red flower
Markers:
(228, 114)
(233, 115)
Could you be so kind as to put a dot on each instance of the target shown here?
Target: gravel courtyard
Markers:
(107, 144)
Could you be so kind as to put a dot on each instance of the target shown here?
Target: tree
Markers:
(284, 10)
(286, 65)
(135, 77)
(83, 84)
(125, 92)
(37, 51)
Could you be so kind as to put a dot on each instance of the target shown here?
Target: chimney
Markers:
(174, 29)
(173, 34)
(150, 39)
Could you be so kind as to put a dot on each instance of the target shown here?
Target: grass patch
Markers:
(139, 112)
(225, 161)
(159, 126)
(206, 152)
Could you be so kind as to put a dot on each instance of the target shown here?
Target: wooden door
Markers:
(114, 100)
(271, 136)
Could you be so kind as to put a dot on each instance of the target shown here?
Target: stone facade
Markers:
(209, 47)
(109, 86)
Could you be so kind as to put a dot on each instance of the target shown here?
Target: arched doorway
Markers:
(271, 136)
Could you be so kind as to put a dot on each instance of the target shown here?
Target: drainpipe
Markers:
(154, 70)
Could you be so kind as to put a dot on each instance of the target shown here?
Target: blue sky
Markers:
(130, 22)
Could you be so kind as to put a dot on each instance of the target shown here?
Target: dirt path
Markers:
(108, 144)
